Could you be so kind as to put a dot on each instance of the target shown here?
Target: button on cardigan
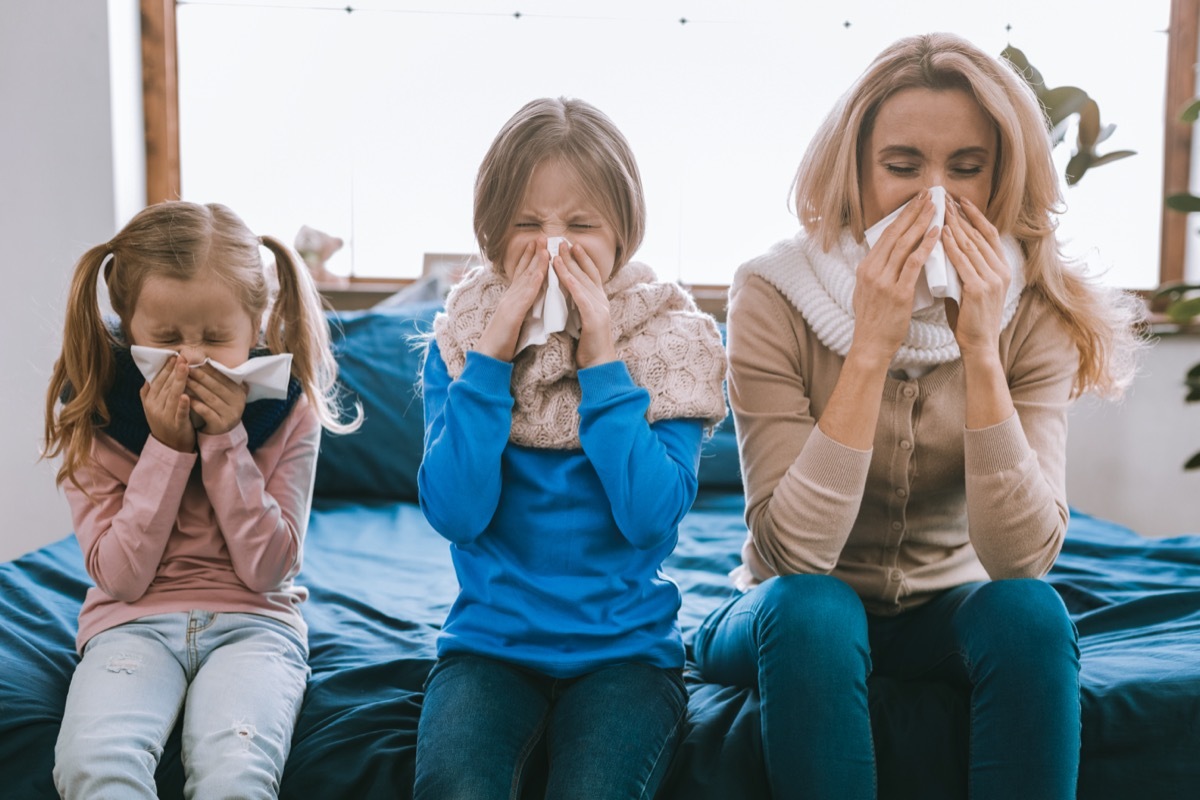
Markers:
(932, 505)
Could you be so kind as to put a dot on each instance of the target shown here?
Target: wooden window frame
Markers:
(160, 101)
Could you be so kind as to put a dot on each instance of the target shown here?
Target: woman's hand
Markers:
(973, 246)
(883, 298)
(167, 404)
(499, 339)
(217, 400)
(974, 249)
(580, 278)
(886, 281)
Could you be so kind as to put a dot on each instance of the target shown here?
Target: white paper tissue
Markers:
(938, 279)
(552, 311)
(267, 376)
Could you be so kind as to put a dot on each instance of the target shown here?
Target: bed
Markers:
(381, 582)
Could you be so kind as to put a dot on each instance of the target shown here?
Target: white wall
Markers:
(1125, 461)
(56, 199)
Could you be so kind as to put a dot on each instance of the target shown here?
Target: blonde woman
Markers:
(190, 499)
(903, 445)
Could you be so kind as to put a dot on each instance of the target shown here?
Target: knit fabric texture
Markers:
(670, 347)
(821, 286)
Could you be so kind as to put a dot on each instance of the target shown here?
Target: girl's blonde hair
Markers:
(1025, 192)
(181, 240)
(579, 136)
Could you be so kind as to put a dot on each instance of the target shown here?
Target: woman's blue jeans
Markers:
(607, 734)
(808, 645)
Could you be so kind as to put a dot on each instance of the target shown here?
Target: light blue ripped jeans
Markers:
(238, 679)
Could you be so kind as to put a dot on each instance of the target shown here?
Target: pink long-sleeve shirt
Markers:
(221, 529)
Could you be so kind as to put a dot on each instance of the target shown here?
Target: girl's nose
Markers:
(194, 355)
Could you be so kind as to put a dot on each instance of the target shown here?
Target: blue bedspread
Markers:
(380, 583)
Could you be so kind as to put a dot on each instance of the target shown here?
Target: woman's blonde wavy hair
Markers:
(181, 240)
(1025, 196)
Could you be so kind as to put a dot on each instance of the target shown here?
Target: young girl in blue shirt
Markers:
(559, 464)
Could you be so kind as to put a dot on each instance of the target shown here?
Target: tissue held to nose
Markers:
(938, 278)
(552, 311)
(266, 376)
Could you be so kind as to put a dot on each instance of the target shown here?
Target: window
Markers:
(369, 121)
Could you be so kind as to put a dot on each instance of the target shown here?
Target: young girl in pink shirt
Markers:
(190, 493)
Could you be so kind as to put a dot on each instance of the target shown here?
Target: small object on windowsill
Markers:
(315, 248)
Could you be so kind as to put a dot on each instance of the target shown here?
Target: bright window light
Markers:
(369, 124)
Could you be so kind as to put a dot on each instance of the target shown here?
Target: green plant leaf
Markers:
(1193, 374)
(1183, 202)
(1176, 290)
(1029, 72)
(1077, 166)
(1063, 101)
(1193, 462)
(1115, 155)
(1192, 112)
(1089, 125)
(1184, 310)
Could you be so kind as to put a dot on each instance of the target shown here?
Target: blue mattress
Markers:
(380, 583)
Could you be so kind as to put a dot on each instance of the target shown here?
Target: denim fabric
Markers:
(808, 645)
(486, 726)
(237, 679)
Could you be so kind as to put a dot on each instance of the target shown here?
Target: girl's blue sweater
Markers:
(558, 552)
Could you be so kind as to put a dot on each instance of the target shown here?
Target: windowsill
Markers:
(1160, 325)
(360, 293)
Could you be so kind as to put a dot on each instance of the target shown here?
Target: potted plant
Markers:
(1061, 103)
(1183, 299)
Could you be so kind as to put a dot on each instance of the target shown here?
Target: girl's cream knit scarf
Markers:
(821, 286)
(671, 348)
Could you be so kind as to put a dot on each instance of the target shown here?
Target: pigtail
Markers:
(297, 325)
(83, 373)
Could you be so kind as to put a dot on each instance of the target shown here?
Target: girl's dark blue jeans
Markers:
(808, 645)
(608, 734)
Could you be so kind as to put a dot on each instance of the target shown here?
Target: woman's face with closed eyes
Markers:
(923, 138)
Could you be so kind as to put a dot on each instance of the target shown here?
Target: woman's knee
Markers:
(815, 610)
(812, 599)
(1020, 616)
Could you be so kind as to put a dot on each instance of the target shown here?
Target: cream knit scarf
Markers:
(670, 347)
(821, 286)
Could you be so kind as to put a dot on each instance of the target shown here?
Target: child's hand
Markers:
(167, 406)
(499, 339)
(581, 279)
(218, 400)
(974, 249)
